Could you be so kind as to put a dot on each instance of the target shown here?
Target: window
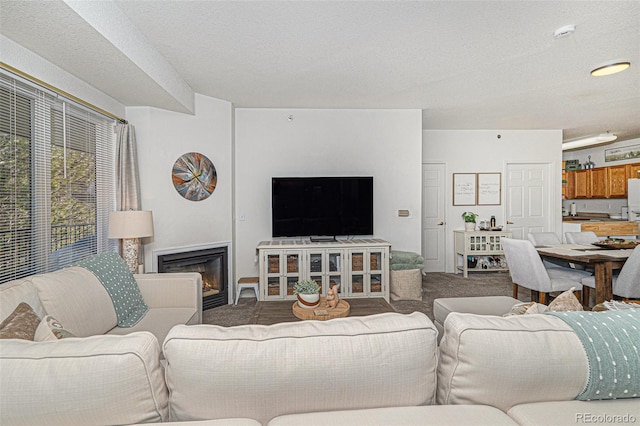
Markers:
(56, 180)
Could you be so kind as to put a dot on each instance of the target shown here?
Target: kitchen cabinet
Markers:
(633, 171)
(582, 184)
(617, 181)
(599, 181)
(568, 185)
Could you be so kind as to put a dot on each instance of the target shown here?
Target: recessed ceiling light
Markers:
(610, 68)
(564, 31)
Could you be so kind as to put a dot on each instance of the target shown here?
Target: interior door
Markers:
(433, 214)
(528, 198)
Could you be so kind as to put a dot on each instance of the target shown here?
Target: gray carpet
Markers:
(434, 286)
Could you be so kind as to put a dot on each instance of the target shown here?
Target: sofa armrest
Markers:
(172, 290)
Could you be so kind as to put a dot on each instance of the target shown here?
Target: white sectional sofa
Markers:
(376, 370)
(75, 297)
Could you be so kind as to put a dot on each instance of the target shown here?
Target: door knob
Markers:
(441, 223)
(509, 222)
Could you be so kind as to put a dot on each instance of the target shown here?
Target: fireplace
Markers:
(211, 263)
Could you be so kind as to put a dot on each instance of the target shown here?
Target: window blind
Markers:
(56, 180)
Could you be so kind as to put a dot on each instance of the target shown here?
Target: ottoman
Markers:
(481, 305)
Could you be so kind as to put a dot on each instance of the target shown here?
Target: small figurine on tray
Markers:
(332, 296)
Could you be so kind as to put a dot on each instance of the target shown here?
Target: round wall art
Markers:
(194, 176)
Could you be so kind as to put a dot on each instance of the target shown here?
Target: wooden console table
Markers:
(360, 266)
(481, 244)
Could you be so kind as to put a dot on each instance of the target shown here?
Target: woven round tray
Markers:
(322, 312)
(613, 245)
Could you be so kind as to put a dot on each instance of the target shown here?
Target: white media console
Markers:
(360, 266)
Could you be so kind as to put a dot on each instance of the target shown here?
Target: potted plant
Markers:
(308, 293)
(469, 221)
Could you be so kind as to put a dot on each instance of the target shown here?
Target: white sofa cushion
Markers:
(618, 411)
(260, 372)
(442, 415)
(218, 422)
(507, 361)
(159, 321)
(75, 297)
(89, 381)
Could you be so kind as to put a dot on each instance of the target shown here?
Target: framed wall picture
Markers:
(489, 189)
(464, 189)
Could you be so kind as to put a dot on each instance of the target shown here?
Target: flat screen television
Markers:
(321, 206)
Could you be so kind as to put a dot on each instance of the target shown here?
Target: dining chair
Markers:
(627, 283)
(528, 271)
(543, 238)
(547, 239)
(586, 237)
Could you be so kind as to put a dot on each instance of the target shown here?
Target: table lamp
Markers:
(130, 226)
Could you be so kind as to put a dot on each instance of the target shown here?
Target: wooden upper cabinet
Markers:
(582, 185)
(569, 186)
(600, 182)
(618, 181)
(633, 171)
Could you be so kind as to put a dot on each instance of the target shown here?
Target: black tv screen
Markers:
(321, 206)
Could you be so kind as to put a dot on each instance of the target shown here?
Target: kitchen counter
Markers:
(590, 219)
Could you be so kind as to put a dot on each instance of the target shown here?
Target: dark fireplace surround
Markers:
(211, 263)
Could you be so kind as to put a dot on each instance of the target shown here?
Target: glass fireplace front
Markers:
(210, 263)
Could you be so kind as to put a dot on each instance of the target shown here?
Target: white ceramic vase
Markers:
(308, 301)
(469, 226)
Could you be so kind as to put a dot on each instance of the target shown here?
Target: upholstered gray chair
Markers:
(527, 270)
(627, 283)
(543, 238)
(586, 237)
(548, 239)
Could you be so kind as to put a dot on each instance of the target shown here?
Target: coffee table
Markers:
(272, 312)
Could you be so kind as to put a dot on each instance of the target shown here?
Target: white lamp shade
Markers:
(131, 224)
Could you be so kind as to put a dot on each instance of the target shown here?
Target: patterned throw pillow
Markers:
(113, 273)
(565, 302)
(51, 329)
(20, 324)
(528, 308)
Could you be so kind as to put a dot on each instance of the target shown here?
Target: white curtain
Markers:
(127, 176)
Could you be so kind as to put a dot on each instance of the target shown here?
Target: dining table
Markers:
(603, 261)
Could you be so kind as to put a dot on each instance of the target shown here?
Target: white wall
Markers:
(613, 205)
(163, 136)
(385, 144)
(474, 151)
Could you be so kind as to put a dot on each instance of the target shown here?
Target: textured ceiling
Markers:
(467, 65)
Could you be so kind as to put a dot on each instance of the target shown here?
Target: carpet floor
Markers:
(434, 286)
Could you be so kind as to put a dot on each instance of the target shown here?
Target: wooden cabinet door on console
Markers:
(617, 181)
(582, 184)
